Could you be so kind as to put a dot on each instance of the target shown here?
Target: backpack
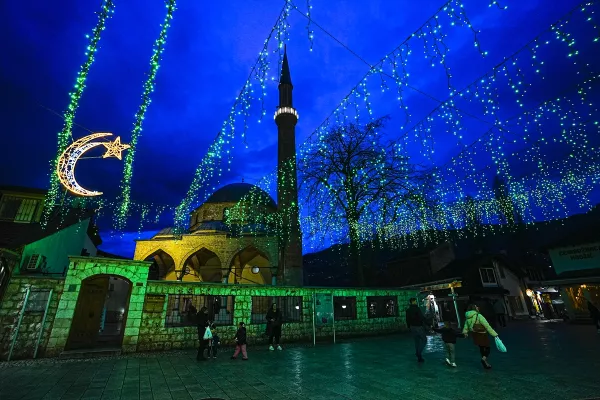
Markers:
(478, 327)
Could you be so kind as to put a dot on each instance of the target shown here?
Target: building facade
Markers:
(44, 316)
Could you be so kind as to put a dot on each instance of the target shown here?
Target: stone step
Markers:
(90, 353)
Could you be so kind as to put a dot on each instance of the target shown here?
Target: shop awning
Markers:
(437, 285)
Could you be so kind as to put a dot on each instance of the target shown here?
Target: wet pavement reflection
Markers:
(549, 360)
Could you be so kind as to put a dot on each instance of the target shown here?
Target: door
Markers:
(85, 325)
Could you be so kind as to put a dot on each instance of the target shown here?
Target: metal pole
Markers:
(454, 295)
(333, 318)
(14, 339)
(314, 312)
(37, 344)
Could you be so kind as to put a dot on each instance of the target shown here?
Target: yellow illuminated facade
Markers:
(208, 252)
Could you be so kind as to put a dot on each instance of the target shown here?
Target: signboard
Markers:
(154, 303)
(324, 309)
(576, 258)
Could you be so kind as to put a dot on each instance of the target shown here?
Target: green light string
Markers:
(149, 85)
(222, 146)
(106, 11)
(451, 8)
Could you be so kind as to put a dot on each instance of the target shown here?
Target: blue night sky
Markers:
(210, 50)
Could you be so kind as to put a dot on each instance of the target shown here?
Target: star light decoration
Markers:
(157, 51)
(107, 9)
(114, 149)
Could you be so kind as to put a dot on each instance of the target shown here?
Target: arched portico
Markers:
(242, 263)
(202, 265)
(163, 264)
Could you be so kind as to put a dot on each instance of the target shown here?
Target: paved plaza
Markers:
(545, 360)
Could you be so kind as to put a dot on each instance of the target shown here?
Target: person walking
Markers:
(274, 322)
(240, 343)
(203, 323)
(415, 321)
(480, 330)
(500, 310)
(449, 336)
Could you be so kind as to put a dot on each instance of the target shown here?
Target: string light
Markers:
(107, 8)
(210, 168)
(157, 51)
(454, 207)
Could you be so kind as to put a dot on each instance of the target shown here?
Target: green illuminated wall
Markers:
(146, 330)
(155, 336)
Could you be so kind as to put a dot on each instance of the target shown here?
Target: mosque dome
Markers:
(234, 192)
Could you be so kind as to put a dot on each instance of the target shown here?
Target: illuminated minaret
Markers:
(286, 117)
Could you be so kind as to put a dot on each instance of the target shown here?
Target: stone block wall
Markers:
(81, 268)
(154, 335)
(10, 310)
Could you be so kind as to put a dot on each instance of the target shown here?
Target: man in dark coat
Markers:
(415, 321)
(274, 322)
(203, 323)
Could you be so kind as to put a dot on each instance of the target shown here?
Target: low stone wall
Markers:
(29, 330)
(154, 335)
(146, 328)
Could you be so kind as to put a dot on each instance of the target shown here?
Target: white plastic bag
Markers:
(207, 334)
(501, 347)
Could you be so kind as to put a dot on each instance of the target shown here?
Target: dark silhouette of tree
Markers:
(355, 179)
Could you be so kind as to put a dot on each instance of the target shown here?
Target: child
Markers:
(214, 343)
(240, 340)
(449, 336)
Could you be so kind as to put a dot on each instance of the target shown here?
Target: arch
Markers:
(162, 264)
(240, 267)
(202, 265)
(100, 314)
(82, 268)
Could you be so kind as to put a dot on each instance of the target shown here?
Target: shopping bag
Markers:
(501, 347)
(207, 334)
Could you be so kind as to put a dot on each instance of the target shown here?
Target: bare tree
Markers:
(355, 178)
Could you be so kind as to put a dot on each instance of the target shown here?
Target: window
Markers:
(291, 308)
(382, 306)
(17, 209)
(9, 206)
(37, 300)
(488, 277)
(344, 308)
(182, 309)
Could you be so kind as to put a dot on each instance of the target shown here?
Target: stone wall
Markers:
(10, 310)
(154, 335)
(145, 326)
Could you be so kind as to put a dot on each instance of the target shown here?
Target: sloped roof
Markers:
(14, 235)
(234, 192)
(22, 189)
(456, 268)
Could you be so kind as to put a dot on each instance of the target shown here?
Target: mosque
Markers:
(209, 252)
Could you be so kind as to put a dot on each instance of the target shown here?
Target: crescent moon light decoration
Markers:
(68, 159)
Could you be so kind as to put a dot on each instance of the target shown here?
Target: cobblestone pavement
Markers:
(545, 360)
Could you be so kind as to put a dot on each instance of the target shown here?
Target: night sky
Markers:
(210, 50)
